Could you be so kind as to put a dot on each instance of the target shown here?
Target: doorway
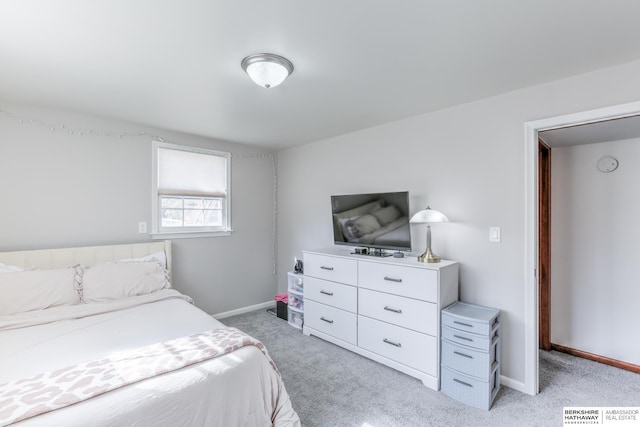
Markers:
(532, 213)
(574, 141)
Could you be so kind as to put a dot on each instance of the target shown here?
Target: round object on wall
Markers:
(607, 164)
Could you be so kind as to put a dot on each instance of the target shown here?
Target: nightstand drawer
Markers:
(413, 349)
(476, 363)
(457, 336)
(337, 295)
(332, 321)
(418, 283)
(409, 313)
(331, 268)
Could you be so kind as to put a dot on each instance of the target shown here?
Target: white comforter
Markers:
(238, 389)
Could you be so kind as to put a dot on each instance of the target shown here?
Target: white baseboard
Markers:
(511, 383)
(244, 310)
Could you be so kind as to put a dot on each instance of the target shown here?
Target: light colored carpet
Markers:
(330, 386)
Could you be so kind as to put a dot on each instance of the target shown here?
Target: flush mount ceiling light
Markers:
(266, 69)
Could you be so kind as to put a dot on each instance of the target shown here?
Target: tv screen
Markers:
(373, 220)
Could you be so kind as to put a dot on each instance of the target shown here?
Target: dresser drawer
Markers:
(476, 363)
(469, 390)
(332, 321)
(410, 282)
(416, 350)
(457, 336)
(331, 268)
(409, 313)
(334, 294)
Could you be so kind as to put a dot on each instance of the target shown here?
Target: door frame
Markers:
(544, 245)
(531, 249)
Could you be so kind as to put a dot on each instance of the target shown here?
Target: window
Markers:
(190, 191)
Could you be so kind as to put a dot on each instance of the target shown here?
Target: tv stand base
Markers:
(371, 252)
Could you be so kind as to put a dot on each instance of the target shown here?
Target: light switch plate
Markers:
(495, 234)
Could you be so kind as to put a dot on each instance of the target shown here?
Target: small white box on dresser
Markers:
(470, 359)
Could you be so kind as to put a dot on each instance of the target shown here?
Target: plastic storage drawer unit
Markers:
(295, 291)
(470, 361)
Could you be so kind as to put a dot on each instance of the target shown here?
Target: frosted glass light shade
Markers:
(266, 69)
(427, 216)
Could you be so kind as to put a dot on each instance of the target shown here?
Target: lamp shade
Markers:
(428, 215)
(266, 69)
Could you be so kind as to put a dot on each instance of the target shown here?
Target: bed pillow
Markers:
(362, 226)
(340, 218)
(36, 290)
(160, 256)
(346, 229)
(116, 280)
(9, 268)
(387, 215)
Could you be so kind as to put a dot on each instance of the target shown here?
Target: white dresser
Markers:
(386, 309)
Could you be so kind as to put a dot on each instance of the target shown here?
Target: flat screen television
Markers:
(372, 220)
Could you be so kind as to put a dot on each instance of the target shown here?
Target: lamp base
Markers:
(429, 256)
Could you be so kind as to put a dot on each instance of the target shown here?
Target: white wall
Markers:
(59, 189)
(595, 251)
(468, 162)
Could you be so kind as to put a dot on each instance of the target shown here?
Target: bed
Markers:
(168, 363)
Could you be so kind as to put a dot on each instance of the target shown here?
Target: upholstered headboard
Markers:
(87, 255)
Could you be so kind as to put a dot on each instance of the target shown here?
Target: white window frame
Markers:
(157, 232)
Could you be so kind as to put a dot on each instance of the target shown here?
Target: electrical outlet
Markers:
(142, 227)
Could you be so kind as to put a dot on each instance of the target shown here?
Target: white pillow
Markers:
(36, 290)
(362, 226)
(387, 215)
(159, 256)
(9, 268)
(344, 226)
(115, 280)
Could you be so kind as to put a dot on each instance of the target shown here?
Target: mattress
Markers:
(241, 388)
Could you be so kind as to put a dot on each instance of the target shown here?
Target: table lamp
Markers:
(428, 216)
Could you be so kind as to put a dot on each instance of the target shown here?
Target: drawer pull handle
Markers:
(326, 320)
(323, 267)
(468, 325)
(326, 293)
(395, 310)
(397, 344)
(463, 338)
(463, 355)
(392, 279)
(462, 382)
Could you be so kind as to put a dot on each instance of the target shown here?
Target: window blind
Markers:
(185, 173)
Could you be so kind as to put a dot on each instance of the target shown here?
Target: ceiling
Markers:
(359, 63)
(593, 133)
